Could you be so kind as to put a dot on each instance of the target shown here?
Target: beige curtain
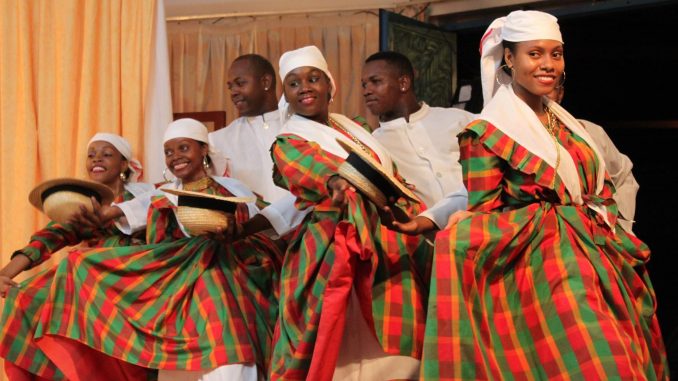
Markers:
(69, 69)
(202, 51)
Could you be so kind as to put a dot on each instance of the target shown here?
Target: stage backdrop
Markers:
(70, 68)
(432, 51)
(202, 51)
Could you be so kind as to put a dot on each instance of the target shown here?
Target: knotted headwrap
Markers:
(125, 149)
(518, 26)
(306, 56)
(193, 129)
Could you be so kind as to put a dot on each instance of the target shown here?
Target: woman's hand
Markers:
(5, 284)
(17, 264)
(338, 186)
(232, 232)
(397, 220)
(456, 217)
(97, 218)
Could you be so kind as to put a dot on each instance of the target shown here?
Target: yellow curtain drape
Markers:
(69, 69)
(202, 51)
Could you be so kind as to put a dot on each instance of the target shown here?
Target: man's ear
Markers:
(267, 81)
(404, 83)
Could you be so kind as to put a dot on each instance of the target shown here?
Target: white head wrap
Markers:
(518, 26)
(125, 149)
(193, 129)
(306, 56)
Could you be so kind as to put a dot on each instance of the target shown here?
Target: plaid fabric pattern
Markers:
(333, 252)
(175, 303)
(21, 308)
(532, 286)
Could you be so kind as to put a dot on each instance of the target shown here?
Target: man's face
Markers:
(381, 87)
(247, 89)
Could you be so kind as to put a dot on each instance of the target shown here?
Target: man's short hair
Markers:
(397, 60)
(260, 66)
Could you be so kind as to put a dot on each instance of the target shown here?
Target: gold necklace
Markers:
(334, 123)
(552, 127)
(198, 185)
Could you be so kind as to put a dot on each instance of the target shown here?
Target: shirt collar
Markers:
(266, 117)
(414, 117)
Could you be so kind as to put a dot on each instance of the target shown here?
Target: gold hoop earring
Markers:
(164, 175)
(562, 81)
(205, 163)
(123, 177)
(501, 70)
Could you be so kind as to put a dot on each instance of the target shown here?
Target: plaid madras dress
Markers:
(332, 252)
(175, 303)
(21, 309)
(533, 287)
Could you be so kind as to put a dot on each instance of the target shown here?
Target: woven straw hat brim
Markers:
(198, 221)
(36, 196)
(351, 147)
(181, 192)
(364, 185)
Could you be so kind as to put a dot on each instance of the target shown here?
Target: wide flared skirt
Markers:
(543, 292)
(191, 304)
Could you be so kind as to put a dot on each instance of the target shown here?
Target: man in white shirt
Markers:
(421, 139)
(246, 142)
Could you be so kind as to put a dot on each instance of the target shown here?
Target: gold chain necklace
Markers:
(552, 127)
(334, 123)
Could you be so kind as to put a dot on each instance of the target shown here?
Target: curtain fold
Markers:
(69, 69)
(202, 51)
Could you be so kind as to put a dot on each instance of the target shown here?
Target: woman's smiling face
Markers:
(308, 90)
(184, 156)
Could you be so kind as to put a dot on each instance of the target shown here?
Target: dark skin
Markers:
(388, 93)
(308, 91)
(537, 66)
(104, 164)
(252, 93)
(183, 157)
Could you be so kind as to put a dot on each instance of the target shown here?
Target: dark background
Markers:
(622, 73)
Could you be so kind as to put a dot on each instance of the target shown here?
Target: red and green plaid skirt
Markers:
(541, 292)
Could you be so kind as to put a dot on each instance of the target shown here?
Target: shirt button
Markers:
(439, 174)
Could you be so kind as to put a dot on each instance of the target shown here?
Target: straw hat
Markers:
(366, 174)
(60, 198)
(202, 213)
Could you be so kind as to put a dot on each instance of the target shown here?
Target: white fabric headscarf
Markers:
(516, 27)
(290, 60)
(507, 112)
(125, 149)
(193, 129)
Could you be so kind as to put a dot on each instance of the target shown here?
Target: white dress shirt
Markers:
(426, 152)
(619, 168)
(246, 142)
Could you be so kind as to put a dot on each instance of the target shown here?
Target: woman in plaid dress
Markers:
(342, 267)
(540, 281)
(110, 162)
(193, 307)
